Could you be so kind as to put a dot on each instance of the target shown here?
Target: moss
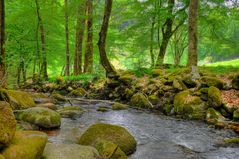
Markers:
(212, 81)
(153, 99)
(128, 93)
(116, 134)
(167, 108)
(7, 123)
(214, 97)
(235, 82)
(126, 79)
(232, 140)
(1, 157)
(204, 90)
(140, 101)
(179, 85)
(26, 145)
(60, 80)
(103, 109)
(157, 72)
(79, 92)
(213, 116)
(189, 106)
(59, 97)
(110, 150)
(71, 111)
(42, 117)
(119, 106)
(17, 99)
(235, 115)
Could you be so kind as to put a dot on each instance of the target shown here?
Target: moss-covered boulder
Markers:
(126, 79)
(17, 99)
(26, 145)
(213, 116)
(154, 99)
(119, 106)
(71, 112)
(235, 82)
(179, 85)
(1, 157)
(42, 117)
(110, 150)
(103, 109)
(79, 92)
(59, 97)
(157, 72)
(188, 106)
(69, 151)
(139, 100)
(236, 115)
(7, 123)
(214, 97)
(212, 81)
(113, 133)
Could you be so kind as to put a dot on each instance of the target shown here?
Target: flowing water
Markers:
(158, 136)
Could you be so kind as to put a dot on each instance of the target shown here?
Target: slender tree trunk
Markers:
(88, 62)
(80, 27)
(3, 77)
(43, 49)
(37, 54)
(110, 70)
(67, 69)
(192, 33)
(152, 42)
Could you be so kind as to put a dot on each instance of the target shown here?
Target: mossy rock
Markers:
(69, 151)
(213, 116)
(17, 99)
(188, 106)
(128, 93)
(7, 123)
(113, 133)
(59, 97)
(140, 101)
(119, 106)
(232, 141)
(109, 150)
(42, 117)
(153, 99)
(103, 109)
(212, 81)
(71, 112)
(79, 92)
(236, 115)
(179, 85)
(157, 72)
(214, 97)
(204, 90)
(188, 81)
(126, 79)
(1, 157)
(167, 109)
(235, 82)
(229, 107)
(60, 80)
(26, 145)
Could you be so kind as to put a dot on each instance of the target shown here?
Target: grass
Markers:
(231, 63)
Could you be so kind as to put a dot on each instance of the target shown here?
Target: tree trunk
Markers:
(110, 70)
(67, 69)
(3, 78)
(80, 27)
(192, 33)
(37, 61)
(44, 55)
(88, 63)
(152, 42)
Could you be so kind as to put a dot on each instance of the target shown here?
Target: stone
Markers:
(103, 109)
(235, 82)
(153, 99)
(7, 123)
(188, 106)
(212, 81)
(110, 150)
(213, 116)
(119, 106)
(113, 133)
(17, 99)
(126, 79)
(157, 72)
(42, 117)
(236, 115)
(214, 97)
(69, 151)
(71, 111)
(26, 145)
(188, 81)
(59, 97)
(79, 92)
(179, 85)
(140, 101)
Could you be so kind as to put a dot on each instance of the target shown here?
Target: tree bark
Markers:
(44, 55)
(80, 28)
(67, 69)
(3, 78)
(110, 70)
(88, 63)
(192, 33)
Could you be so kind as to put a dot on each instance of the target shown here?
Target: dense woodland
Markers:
(47, 38)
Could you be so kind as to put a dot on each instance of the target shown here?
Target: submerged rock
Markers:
(42, 117)
(69, 151)
(17, 99)
(26, 145)
(189, 106)
(7, 123)
(103, 109)
(212, 81)
(59, 97)
(71, 111)
(113, 133)
(140, 101)
(214, 97)
(119, 106)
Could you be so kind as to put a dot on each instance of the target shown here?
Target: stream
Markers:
(158, 136)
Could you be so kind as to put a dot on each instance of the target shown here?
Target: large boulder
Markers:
(110, 150)
(17, 99)
(26, 145)
(69, 151)
(140, 101)
(212, 81)
(188, 106)
(113, 133)
(7, 123)
(71, 112)
(42, 117)
(214, 97)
